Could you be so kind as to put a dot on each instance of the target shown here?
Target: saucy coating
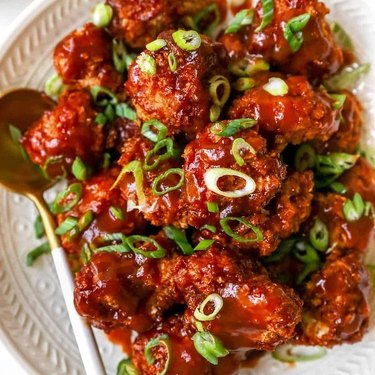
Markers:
(256, 313)
(319, 55)
(180, 99)
(210, 151)
(121, 130)
(67, 131)
(301, 115)
(336, 303)
(84, 58)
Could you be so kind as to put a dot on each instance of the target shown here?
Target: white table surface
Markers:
(9, 10)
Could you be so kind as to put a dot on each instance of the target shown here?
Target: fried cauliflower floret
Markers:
(336, 303)
(210, 151)
(67, 131)
(179, 99)
(300, 115)
(84, 58)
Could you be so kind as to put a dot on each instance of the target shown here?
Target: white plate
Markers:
(33, 320)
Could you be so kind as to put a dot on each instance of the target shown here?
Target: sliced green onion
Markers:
(204, 245)
(342, 37)
(338, 187)
(219, 90)
(101, 119)
(293, 31)
(172, 62)
(224, 223)
(159, 252)
(242, 18)
(156, 45)
(116, 213)
(354, 209)
(171, 152)
(209, 347)
(209, 227)
(248, 67)
(124, 110)
(102, 96)
(244, 83)
(119, 246)
(39, 227)
(304, 157)
(218, 304)
(79, 169)
(232, 127)
(147, 64)
(369, 209)
(15, 134)
(67, 199)
(84, 221)
(282, 251)
(290, 354)
(109, 112)
(204, 14)
(347, 78)
(179, 236)
(33, 255)
(268, 11)
(162, 340)
(126, 367)
(305, 253)
(187, 40)
(150, 134)
(54, 86)
(86, 253)
(276, 87)
(212, 176)
(215, 112)
(319, 235)
(338, 100)
(238, 145)
(213, 207)
(171, 171)
(308, 270)
(102, 16)
(134, 167)
(121, 58)
(68, 224)
(54, 160)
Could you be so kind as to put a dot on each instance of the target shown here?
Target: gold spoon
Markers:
(18, 174)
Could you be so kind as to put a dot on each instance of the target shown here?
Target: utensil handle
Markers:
(90, 355)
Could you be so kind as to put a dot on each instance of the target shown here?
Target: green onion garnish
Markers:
(268, 11)
(216, 300)
(162, 340)
(33, 255)
(338, 187)
(109, 112)
(39, 227)
(291, 354)
(151, 162)
(319, 235)
(242, 18)
(102, 15)
(232, 127)
(282, 251)
(102, 96)
(86, 253)
(126, 367)
(68, 224)
(124, 110)
(209, 227)
(248, 67)
(342, 37)
(163, 176)
(147, 64)
(119, 244)
(67, 199)
(54, 160)
(213, 207)
(54, 86)
(219, 90)
(207, 13)
(15, 134)
(162, 130)
(84, 221)
(304, 157)
(203, 245)
(354, 209)
(116, 213)
(244, 84)
(369, 209)
(159, 251)
(187, 40)
(101, 119)
(209, 347)
(239, 144)
(79, 169)
(293, 31)
(156, 45)
(224, 223)
(215, 112)
(212, 176)
(308, 255)
(121, 58)
(276, 87)
(172, 62)
(338, 100)
(179, 236)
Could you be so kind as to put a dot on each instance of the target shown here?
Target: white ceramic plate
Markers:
(33, 319)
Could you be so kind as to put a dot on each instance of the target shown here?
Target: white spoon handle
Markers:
(87, 346)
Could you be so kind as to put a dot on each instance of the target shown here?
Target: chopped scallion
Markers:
(224, 223)
(33, 255)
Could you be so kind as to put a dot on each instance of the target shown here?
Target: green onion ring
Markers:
(102, 15)
(213, 207)
(156, 45)
(98, 91)
(203, 245)
(215, 112)
(242, 18)
(209, 227)
(163, 176)
(354, 209)
(304, 157)
(123, 110)
(59, 160)
(238, 145)
(172, 62)
(289, 354)
(276, 87)
(293, 31)
(218, 303)
(120, 245)
(217, 82)
(209, 347)
(179, 236)
(147, 64)
(268, 12)
(68, 224)
(152, 136)
(319, 235)
(244, 84)
(338, 100)
(156, 254)
(224, 223)
(126, 367)
(117, 213)
(171, 152)
(54, 86)
(79, 169)
(248, 67)
(201, 15)
(158, 341)
(232, 127)
(74, 189)
(187, 40)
